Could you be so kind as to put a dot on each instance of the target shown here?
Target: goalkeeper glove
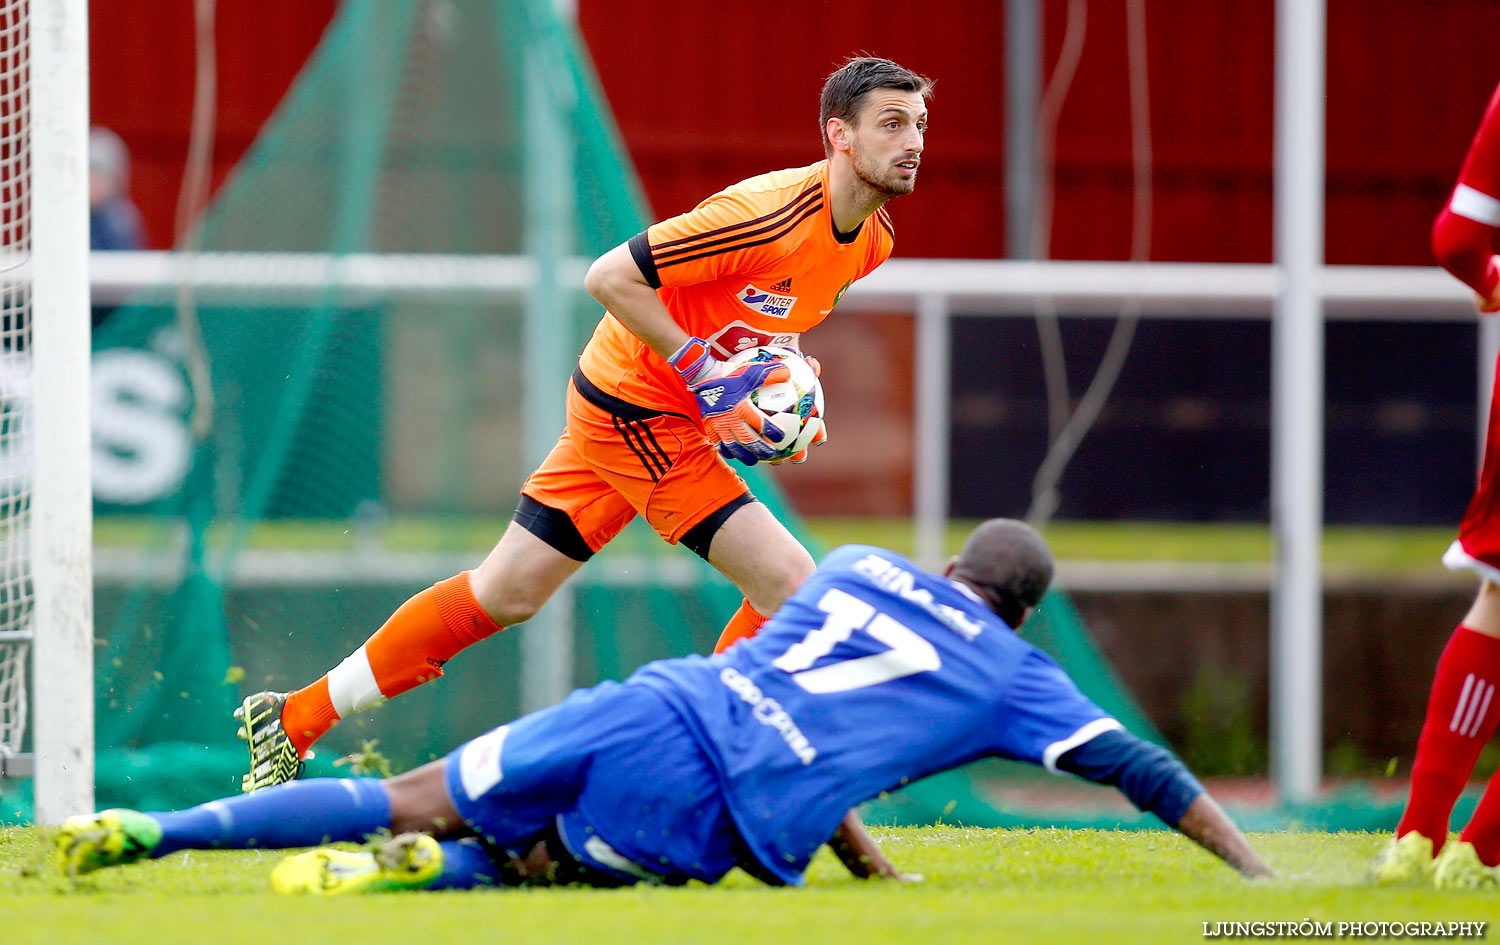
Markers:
(737, 452)
(814, 428)
(819, 434)
(729, 418)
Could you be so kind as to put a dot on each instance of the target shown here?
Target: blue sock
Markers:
(466, 864)
(296, 814)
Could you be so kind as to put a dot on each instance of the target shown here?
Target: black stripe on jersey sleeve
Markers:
(811, 198)
(789, 207)
(744, 242)
(885, 223)
(783, 230)
(640, 251)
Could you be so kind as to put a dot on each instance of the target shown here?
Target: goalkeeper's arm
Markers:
(1154, 780)
(617, 283)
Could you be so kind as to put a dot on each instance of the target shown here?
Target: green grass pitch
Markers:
(981, 886)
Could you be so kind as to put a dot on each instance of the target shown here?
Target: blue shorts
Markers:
(615, 771)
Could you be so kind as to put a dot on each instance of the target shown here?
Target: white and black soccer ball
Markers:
(791, 403)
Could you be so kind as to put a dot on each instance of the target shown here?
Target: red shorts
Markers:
(1478, 545)
(616, 460)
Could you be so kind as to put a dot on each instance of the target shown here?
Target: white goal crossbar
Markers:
(976, 287)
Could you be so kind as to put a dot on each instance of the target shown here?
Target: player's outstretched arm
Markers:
(860, 854)
(1206, 824)
(1154, 780)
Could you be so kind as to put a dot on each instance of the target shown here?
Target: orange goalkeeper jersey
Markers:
(757, 263)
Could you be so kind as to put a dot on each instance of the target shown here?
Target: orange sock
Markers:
(308, 714)
(746, 622)
(408, 650)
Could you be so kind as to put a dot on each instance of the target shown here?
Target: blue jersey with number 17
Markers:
(873, 674)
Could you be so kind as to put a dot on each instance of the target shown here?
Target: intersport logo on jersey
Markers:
(766, 302)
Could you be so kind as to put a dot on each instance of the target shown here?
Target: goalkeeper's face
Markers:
(886, 139)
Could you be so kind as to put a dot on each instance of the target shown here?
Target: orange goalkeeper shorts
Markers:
(616, 460)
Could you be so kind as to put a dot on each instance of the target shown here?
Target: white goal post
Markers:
(52, 103)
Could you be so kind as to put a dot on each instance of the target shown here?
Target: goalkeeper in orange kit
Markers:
(652, 413)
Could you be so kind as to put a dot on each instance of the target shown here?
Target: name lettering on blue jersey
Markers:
(768, 712)
(896, 579)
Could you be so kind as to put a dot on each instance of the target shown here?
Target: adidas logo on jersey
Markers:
(785, 285)
(711, 396)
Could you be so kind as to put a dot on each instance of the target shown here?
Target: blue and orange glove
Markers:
(814, 433)
(729, 418)
(735, 451)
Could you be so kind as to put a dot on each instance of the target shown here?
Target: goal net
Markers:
(15, 383)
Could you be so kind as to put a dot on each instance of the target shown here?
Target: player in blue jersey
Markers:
(873, 674)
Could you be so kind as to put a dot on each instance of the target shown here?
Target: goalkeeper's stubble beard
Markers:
(881, 178)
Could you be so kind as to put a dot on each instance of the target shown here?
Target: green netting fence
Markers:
(364, 444)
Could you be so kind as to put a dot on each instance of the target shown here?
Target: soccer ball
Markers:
(791, 403)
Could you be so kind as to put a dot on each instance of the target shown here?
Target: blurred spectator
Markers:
(114, 222)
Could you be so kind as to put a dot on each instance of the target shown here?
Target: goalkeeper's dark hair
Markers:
(1008, 564)
(844, 91)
